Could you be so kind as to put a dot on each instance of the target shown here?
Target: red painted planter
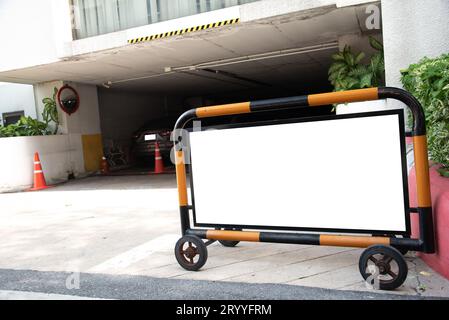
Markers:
(440, 202)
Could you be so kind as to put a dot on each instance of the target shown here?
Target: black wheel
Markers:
(229, 243)
(383, 267)
(191, 253)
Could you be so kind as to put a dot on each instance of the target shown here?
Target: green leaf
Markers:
(444, 172)
(55, 93)
(359, 71)
(338, 57)
(366, 81)
(336, 67)
(47, 101)
(375, 44)
(352, 83)
(359, 57)
(349, 59)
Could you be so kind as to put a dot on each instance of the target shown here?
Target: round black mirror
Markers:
(68, 99)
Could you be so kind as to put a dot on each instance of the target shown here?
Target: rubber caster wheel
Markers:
(191, 253)
(383, 267)
(229, 243)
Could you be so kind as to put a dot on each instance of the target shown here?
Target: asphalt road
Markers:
(39, 285)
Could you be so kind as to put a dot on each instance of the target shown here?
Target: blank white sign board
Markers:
(331, 174)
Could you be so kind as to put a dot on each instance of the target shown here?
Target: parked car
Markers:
(145, 138)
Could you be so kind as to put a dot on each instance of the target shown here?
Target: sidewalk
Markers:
(129, 226)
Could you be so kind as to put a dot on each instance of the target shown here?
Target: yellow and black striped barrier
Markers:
(184, 31)
(385, 244)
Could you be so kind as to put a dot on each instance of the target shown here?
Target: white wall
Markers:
(59, 155)
(87, 119)
(33, 32)
(413, 29)
(17, 97)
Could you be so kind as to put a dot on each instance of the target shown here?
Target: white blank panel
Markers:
(332, 174)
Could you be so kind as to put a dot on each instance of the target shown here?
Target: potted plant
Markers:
(348, 72)
(428, 81)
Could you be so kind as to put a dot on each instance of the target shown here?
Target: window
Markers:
(12, 117)
(95, 17)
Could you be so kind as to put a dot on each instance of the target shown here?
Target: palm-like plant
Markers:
(50, 112)
(347, 72)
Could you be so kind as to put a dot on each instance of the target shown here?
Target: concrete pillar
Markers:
(413, 29)
(86, 122)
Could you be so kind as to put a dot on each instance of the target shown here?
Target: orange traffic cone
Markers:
(39, 179)
(104, 166)
(158, 161)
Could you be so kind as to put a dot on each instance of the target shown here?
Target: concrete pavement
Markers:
(127, 226)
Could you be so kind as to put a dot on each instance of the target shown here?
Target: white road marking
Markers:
(26, 295)
(125, 259)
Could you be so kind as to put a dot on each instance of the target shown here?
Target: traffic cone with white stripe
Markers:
(104, 166)
(39, 179)
(158, 161)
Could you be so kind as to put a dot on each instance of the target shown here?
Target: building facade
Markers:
(134, 60)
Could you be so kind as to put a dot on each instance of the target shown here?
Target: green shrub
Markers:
(26, 126)
(347, 72)
(428, 81)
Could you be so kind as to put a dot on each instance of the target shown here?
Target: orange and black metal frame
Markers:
(425, 242)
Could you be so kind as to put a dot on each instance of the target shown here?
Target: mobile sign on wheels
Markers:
(342, 182)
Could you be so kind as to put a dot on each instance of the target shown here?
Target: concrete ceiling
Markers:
(147, 61)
